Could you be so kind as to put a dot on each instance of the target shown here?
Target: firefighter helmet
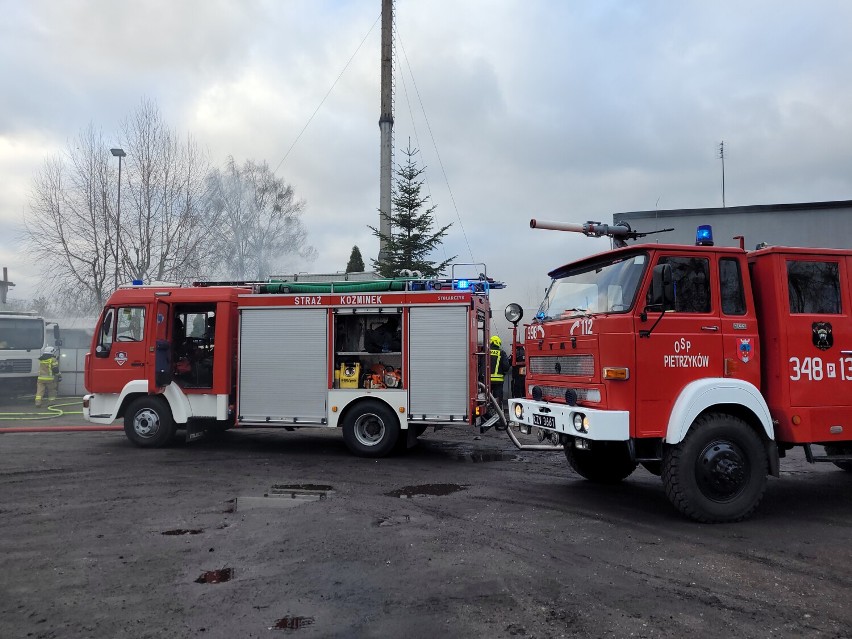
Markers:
(49, 350)
(495, 341)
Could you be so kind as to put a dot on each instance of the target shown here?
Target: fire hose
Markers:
(51, 411)
(504, 425)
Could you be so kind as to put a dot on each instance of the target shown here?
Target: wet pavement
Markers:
(462, 536)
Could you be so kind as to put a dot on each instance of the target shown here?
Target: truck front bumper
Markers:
(574, 421)
(99, 408)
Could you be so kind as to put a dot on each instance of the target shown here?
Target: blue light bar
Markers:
(704, 235)
(462, 285)
(137, 282)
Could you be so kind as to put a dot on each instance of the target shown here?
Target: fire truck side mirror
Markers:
(662, 288)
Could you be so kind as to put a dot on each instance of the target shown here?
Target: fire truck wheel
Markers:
(840, 450)
(148, 422)
(718, 472)
(606, 463)
(370, 429)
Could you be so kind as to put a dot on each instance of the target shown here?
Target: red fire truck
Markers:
(381, 360)
(704, 364)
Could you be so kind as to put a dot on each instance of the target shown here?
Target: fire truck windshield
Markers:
(607, 286)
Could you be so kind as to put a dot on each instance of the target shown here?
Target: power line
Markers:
(435, 145)
(319, 106)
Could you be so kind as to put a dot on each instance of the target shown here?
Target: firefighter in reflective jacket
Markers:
(499, 368)
(48, 375)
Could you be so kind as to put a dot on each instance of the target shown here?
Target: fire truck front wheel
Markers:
(718, 472)
(148, 422)
(606, 463)
(370, 429)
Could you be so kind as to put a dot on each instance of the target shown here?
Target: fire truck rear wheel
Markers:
(371, 429)
(148, 422)
(606, 463)
(718, 472)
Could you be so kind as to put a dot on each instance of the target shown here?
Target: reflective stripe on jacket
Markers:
(47, 369)
(496, 375)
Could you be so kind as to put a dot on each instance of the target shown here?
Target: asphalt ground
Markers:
(262, 533)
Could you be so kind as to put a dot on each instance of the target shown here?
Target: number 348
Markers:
(814, 369)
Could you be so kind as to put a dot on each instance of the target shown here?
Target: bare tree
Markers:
(165, 228)
(72, 226)
(259, 221)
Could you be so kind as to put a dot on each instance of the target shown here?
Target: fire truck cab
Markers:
(381, 360)
(705, 364)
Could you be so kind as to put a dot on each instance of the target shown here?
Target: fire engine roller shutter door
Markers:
(283, 369)
(438, 362)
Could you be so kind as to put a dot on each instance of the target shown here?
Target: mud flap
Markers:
(410, 436)
(195, 430)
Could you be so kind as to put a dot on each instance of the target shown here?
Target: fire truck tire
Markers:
(148, 422)
(840, 450)
(608, 463)
(718, 472)
(371, 429)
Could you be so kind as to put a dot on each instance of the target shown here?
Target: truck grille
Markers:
(558, 393)
(16, 366)
(572, 365)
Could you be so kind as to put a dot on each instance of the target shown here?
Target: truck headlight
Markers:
(581, 424)
(519, 411)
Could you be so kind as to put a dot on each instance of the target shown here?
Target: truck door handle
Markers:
(137, 363)
(709, 328)
(846, 352)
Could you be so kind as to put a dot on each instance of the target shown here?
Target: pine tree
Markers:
(412, 239)
(356, 262)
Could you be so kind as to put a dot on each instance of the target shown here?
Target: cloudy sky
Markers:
(560, 110)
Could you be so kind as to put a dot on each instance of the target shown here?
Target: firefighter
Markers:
(48, 375)
(499, 368)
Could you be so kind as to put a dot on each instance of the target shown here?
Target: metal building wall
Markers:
(814, 224)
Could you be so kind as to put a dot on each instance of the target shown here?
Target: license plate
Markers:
(548, 421)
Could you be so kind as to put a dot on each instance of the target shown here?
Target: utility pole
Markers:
(386, 128)
(722, 157)
(5, 285)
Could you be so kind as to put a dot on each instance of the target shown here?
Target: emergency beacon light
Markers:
(704, 235)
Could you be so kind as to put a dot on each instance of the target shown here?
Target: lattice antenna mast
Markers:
(722, 157)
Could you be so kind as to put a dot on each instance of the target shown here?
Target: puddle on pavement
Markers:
(216, 576)
(426, 490)
(292, 623)
(396, 520)
(285, 496)
(468, 454)
(183, 531)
